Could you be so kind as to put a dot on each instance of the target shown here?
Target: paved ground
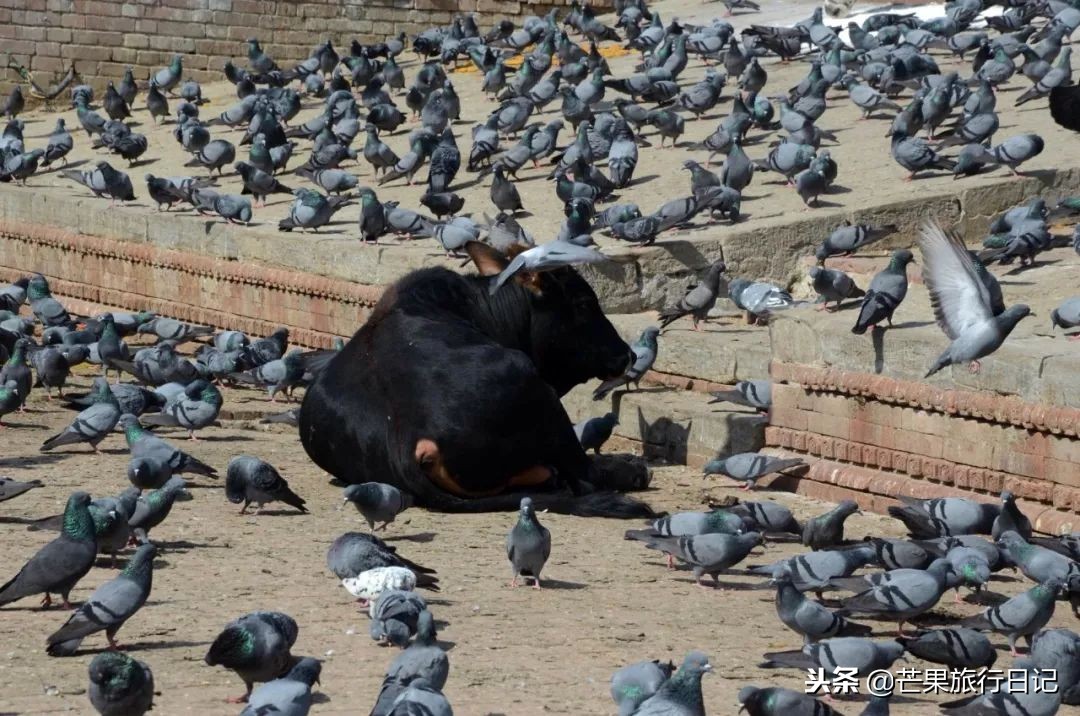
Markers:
(607, 601)
(868, 176)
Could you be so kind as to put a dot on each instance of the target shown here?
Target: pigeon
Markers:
(546, 257)
(147, 474)
(258, 183)
(1011, 518)
(814, 570)
(833, 285)
(886, 291)
(10, 489)
(636, 682)
(860, 654)
(709, 554)
(758, 299)
(1023, 615)
(367, 586)
(1059, 75)
(1036, 562)
(767, 517)
(961, 301)
(289, 694)
(256, 646)
(394, 617)
(698, 299)
(169, 76)
(1067, 315)
(59, 565)
(354, 553)
(683, 524)
(422, 660)
(142, 443)
(104, 181)
(809, 618)
(644, 350)
(748, 467)
(827, 530)
(198, 408)
(91, 425)
(421, 698)
(915, 155)
(956, 647)
(311, 210)
(151, 509)
(777, 701)
(1016, 150)
(946, 516)
(528, 545)
(17, 370)
(900, 594)
(681, 694)
(594, 432)
(214, 155)
(751, 393)
(156, 104)
(846, 239)
(249, 479)
(111, 604)
(377, 502)
(1059, 650)
(120, 685)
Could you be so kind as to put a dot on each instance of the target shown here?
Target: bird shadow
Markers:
(70, 165)
(281, 513)
(34, 460)
(912, 324)
(151, 646)
(877, 339)
(560, 584)
(35, 426)
(180, 545)
(142, 162)
(822, 204)
(645, 179)
(418, 537)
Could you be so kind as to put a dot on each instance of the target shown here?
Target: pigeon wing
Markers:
(959, 297)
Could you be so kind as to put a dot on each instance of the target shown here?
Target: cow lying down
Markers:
(451, 393)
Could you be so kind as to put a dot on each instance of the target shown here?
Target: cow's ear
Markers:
(489, 262)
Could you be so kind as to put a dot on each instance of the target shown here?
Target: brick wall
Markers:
(102, 37)
(876, 438)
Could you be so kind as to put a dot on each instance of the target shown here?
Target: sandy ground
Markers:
(867, 174)
(607, 602)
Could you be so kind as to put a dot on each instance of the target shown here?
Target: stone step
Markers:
(675, 426)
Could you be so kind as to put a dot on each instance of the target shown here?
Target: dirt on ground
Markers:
(606, 602)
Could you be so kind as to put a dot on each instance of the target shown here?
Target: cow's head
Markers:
(558, 322)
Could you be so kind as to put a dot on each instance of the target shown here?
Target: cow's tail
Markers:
(429, 495)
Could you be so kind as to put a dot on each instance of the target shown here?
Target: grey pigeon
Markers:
(103, 180)
(961, 302)
(142, 443)
(332, 181)
(789, 158)
(1023, 615)
(421, 698)
(809, 618)
(682, 524)
(258, 183)
(1059, 650)
(120, 685)
(709, 554)
(546, 257)
(147, 474)
(249, 479)
(900, 594)
(289, 694)
(698, 299)
(91, 425)
(827, 530)
(592, 433)
(777, 701)
(751, 393)
(843, 652)
(886, 291)
(814, 570)
(423, 660)
(636, 682)
(1025, 693)
(111, 604)
(1011, 518)
(354, 553)
(528, 545)
(833, 285)
(1066, 315)
(748, 467)
(233, 208)
(153, 507)
(395, 616)
(311, 210)
(956, 647)
(281, 375)
(915, 155)
(214, 155)
(169, 76)
(681, 694)
(197, 408)
(377, 502)
(945, 516)
(256, 646)
(1037, 562)
(758, 298)
(1060, 74)
(1016, 150)
(767, 517)
(17, 369)
(846, 239)
(57, 566)
(644, 350)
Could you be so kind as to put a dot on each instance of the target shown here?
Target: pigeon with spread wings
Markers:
(961, 300)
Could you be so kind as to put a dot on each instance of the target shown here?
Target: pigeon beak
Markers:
(342, 505)
(707, 667)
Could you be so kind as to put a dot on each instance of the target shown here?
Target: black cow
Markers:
(452, 394)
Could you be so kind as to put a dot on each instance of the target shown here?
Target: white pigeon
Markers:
(962, 303)
(368, 585)
(548, 257)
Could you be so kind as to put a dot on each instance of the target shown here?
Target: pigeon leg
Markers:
(47, 601)
(513, 582)
(191, 436)
(957, 599)
(909, 177)
(745, 487)
(975, 366)
(1074, 337)
(670, 561)
(536, 583)
(240, 699)
(900, 629)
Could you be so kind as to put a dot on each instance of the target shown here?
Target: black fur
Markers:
(480, 375)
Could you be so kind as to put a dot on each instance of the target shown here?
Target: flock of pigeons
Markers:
(884, 57)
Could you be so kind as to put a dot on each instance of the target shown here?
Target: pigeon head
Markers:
(306, 670)
(1014, 314)
(526, 510)
(900, 259)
